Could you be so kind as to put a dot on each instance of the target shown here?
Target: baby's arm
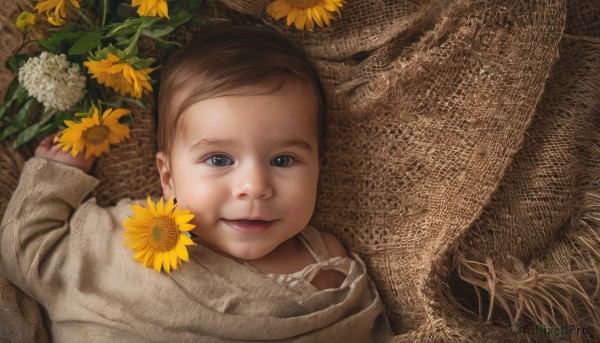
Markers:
(36, 221)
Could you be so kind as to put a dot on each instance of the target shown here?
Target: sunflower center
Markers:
(96, 134)
(165, 233)
(303, 3)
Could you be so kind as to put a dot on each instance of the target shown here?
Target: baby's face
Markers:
(247, 167)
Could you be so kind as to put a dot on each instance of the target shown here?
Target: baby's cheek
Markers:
(301, 201)
(205, 205)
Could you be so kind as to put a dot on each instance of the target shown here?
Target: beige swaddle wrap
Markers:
(70, 258)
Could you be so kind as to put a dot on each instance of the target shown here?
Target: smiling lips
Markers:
(249, 226)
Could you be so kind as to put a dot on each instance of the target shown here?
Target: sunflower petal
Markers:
(141, 254)
(173, 259)
(185, 240)
(184, 219)
(310, 25)
(179, 212)
(181, 250)
(141, 212)
(186, 227)
(170, 205)
(151, 207)
(160, 207)
(291, 17)
(328, 5)
(166, 262)
(300, 21)
(149, 259)
(316, 16)
(158, 261)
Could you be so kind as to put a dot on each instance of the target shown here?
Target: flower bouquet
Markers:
(89, 64)
(91, 60)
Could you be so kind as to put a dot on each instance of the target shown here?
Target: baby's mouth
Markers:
(249, 225)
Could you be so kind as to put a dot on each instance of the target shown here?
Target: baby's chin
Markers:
(241, 252)
(247, 254)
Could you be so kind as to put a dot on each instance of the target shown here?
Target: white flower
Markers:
(52, 81)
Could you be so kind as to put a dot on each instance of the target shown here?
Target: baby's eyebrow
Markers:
(295, 142)
(286, 143)
(209, 141)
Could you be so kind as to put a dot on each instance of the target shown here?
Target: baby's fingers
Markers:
(46, 142)
(46, 145)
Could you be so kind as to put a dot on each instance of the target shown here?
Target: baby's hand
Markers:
(46, 149)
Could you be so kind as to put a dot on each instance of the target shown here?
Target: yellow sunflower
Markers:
(155, 234)
(95, 133)
(58, 6)
(121, 76)
(153, 8)
(305, 12)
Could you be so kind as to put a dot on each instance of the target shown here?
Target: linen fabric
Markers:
(69, 257)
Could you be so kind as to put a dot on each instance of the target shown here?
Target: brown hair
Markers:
(222, 61)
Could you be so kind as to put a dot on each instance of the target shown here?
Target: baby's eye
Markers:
(219, 161)
(282, 161)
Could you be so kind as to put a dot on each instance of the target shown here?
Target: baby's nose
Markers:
(253, 183)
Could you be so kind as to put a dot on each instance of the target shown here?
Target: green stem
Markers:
(24, 42)
(85, 18)
(105, 10)
(132, 48)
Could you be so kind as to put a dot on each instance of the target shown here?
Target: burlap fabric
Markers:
(462, 162)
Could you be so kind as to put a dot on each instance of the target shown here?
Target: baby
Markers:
(240, 143)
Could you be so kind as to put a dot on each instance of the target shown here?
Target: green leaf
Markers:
(8, 132)
(128, 27)
(26, 135)
(12, 88)
(158, 33)
(47, 129)
(14, 62)
(20, 93)
(53, 44)
(46, 45)
(4, 108)
(15, 94)
(86, 43)
(69, 27)
(149, 21)
(58, 121)
(46, 117)
(66, 36)
(136, 102)
(180, 18)
(23, 113)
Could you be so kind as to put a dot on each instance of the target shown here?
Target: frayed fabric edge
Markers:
(550, 299)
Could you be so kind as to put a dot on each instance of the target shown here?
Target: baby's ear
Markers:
(166, 178)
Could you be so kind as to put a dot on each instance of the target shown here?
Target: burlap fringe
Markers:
(550, 299)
